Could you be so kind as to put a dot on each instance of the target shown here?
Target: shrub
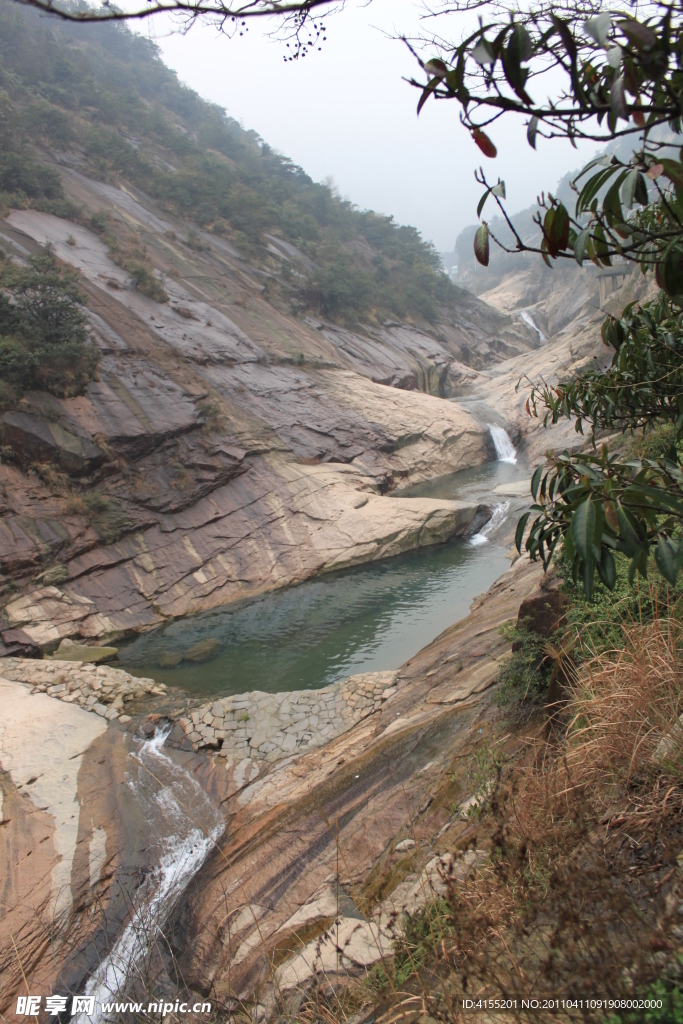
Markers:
(44, 342)
(524, 677)
(146, 281)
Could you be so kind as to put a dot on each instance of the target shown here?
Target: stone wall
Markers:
(101, 689)
(268, 726)
(258, 726)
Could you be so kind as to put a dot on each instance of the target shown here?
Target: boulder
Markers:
(544, 610)
(35, 439)
(69, 651)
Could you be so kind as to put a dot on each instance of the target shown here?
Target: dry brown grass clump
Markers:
(624, 703)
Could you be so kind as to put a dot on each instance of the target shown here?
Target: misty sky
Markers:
(345, 113)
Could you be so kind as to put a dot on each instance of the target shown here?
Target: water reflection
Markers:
(365, 619)
(370, 618)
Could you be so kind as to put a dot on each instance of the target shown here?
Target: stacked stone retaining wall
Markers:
(98, 688)
(268, 726)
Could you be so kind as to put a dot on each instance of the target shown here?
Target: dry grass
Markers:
(580, 894)
(622, 705)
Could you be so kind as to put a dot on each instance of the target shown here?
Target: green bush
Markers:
(525, 675)
(44, 343)
(598, 623)
(418, 945)
(146, 282)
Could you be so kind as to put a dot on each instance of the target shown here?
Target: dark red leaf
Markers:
(484, 143)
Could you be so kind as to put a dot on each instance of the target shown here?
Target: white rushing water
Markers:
(505, 450)
(184, 825)
(530, 322)
(498, 517)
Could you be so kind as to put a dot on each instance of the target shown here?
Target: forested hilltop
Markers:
(102, 97)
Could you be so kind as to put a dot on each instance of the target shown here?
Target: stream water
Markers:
(369, 618)
(182, 826)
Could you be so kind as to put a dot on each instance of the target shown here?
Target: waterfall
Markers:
(530, 322)
(185, 825)
(498, 517)
(505, 449)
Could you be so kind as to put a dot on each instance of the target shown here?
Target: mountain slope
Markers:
(100, 99)
(238, 438)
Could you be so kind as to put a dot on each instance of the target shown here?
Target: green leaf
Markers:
(583, 528)
(628, 528)
(628, 188)
(427, 92)
(519, 49)
(580, 245)
(673, 272)
(607, 569)
(532, 132)
(617, 98)
(558, 231)
(593, 186)
(601, 245)
(519, 532)
(481, 245)
(535, 481)
(668, 558)
(588, 576)
(482, 201)
(642, 195)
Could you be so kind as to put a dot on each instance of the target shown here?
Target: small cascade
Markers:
(184, 825)
(498, 517)
(530, 322)
(505, 450)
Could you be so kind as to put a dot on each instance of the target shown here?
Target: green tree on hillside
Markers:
(107, 97)
(44, 343)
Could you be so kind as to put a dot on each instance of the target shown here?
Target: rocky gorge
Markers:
(232, 445)
(361, 769)
(294, 481)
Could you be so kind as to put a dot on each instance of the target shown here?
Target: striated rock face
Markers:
(227, 447)
(61, 838)
(382, 804)
(381, 800)
(237, 542)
